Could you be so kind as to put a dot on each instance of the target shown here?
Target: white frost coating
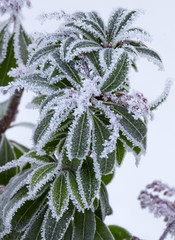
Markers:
(52, 207)
(163, 96)
(49, 176)
(43, 225)
(114, 119)
(17, 44)
(18, 71)
(4, 45)
(130, 138)
(81, 190)
(73, 199)
(122, 33)
(72, 53)
(139, 35)
(9, 216)
(13, 6)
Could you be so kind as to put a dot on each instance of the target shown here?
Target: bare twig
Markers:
(167, 230)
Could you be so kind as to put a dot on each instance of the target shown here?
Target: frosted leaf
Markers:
(78, 141)
(153, 105)
(4, 38)
(13, 6)
(59, 197)
(151, 56)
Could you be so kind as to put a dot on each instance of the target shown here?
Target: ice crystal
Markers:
(159, 206)
(13, 6)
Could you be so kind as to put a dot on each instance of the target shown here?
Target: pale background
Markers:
(159, 162)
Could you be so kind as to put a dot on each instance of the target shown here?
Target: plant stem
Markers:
(11, 112)
(165, 233)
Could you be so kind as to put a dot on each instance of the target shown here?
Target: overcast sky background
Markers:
(159, 162)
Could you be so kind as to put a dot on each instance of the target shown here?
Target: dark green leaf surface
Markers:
(107, 178)
(84, 225)
(120, 151)
(55, 230)
(102, 232)
(94, 59)
(8, 63)
(119, 233)
(60, 195)
(69, 232)
(104, 202)
(87, 181)
(6, 155)
(117, 75)
(23, 41)
(80, 137)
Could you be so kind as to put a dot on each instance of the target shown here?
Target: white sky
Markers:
(159, 162)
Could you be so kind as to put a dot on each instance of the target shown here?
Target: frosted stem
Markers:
(11, 112)
(167, 230)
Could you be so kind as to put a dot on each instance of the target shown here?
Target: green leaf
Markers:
(42, 126)
(4, 34)
(6, 155)
(8, 63)
(66, 46)
(29, 213)
(67, 68)
(94, 59)
(82, 46)
(102, 232)
(150, 54)
(102, 133)
(38, 100)
(74, 190)
(117, 74)
(84, 225)
(120, 151)
(42, 52)
(94, 28)
(69, 232)
(42, 158)
(87, 182)
(128, 18)
(59, 195)
(119, 233)
(55, 230)
(33, 230)
(134, 129)
(22, 41)
(113, 23)
(18, 149)
(104, 202)
(107, 178)
(99, 21)
(3, 108)
(41, 174)
(79, 142)
(106, 57)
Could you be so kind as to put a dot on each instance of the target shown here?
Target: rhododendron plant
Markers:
(89, 118)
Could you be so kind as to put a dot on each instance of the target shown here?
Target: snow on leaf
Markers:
(4, 37)
(135, 130)
(96, 17)
(42, 52)
(8, 63)
(116, 75)
(151, 55)
(64, 49)
(114, 21)
(41, 176)
(81, 46)
(84, 225)
(153, 105)
(88, 184)
(53, 229)
(74, 191)
(68, 69)
(106, 57)
(79, 137)
(94, 61)
(59, 197)
(21, 42)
